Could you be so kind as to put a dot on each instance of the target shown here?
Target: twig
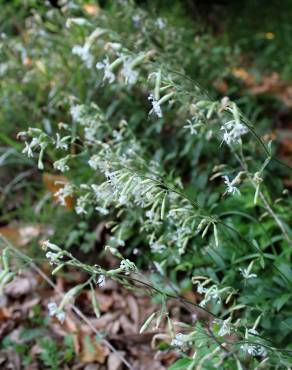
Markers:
(72, 306)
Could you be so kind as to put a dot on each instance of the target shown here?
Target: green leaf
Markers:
(182, 364)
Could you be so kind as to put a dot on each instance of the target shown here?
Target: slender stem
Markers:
(72, 306)
(243, 164)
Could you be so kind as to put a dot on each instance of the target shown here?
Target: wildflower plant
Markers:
(181, 180)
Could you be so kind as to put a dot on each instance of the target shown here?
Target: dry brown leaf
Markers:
(270, 85)
(91, 9)
(20, 286)
(92, 367)
(12, 359)
(127, 326)
(102, 322)
(133, 307)
(114, 362)
(20, 234)
(95, 352)
(113, 327)
(243, 75)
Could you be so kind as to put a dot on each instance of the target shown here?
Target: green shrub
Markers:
(186, 186)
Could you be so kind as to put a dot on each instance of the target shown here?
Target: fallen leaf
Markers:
(93, 351)
(114, 362)
(91, 9)
(20, 286)
(20, 234)
(127, 326)
(133, 307)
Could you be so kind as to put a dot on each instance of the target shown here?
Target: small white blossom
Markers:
(61, 164)
(233, 131)
(64, 193)
(94, 162)
(55, 311)
(246, 273)
(179, 340)
(157, 248)
(129, 74)
(201, 289)
(225, 328)
(191, 127)
(213, 293)
(136, 20)
(155, 106)
(78, 21)
(113, 45)
(84, 53)
(101, 281)
(27, 150)
(117, 135)
(253, 350)
(230, 186)
(108, 74)
(81, 204)
(127, 266)
(161, 23)
(54, 257)
(61, 142)
(102, 210)
(46, 244)
(77, 112)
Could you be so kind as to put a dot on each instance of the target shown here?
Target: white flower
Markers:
(46, 244)
(233, 131)
(136, 20)
(108, 74)
(84, 53)
(63, 193)
(150, 214)
(129, 74)
(27, 150)
(230, 186)
(61, 142)
(225, 328)
(77, 112)
(94, 162)
(61, 164)
(117, 135)
(246, 273)
(191, 127)
(102, 210)
(155, 106)
(53, 257)
(253, 350)
(201, 289)
(213, 293)
(113, 45)
(81, 204)
(78, 21)
(55, 311)
(157, 248)
(101, 281)
(179, 340)
(161, 23)
(249, 349)
(127, 266)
